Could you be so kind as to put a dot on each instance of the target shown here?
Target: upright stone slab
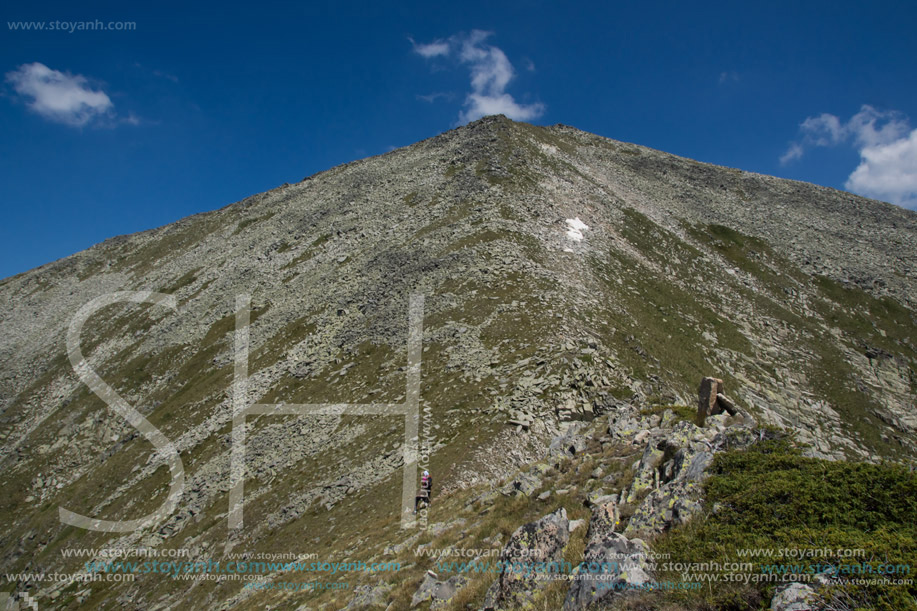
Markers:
(706, 398)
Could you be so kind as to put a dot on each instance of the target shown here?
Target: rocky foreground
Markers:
(635, 477)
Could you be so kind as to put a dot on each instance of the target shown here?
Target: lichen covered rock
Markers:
(534, 549)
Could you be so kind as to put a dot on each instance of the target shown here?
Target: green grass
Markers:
(659, 325)
(660, 309)
(854, 310)
(170, 242)
(310, 251)
(751, 255)
(411, 199)
(772, 497)
(449, 218)
(251, 221)
(484, 519)
(185, 280)
(547, 136)
(682, 412)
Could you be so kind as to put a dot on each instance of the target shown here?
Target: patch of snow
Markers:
(575, 229)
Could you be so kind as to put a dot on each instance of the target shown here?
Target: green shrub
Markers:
(682, 412)
(771, 497)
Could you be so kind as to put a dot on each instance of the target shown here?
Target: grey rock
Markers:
(706, 401)
(724, 403)
(523, 484)
(646, 475)
(795, 597)
(537, 542)
(491, 596)
(439, 593)
(717, 422)
(599, 497)
(677, 495)
(613, 565)
(569, 444)
(369, 597)
(393, 550)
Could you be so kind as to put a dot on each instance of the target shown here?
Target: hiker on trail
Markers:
(426, 487)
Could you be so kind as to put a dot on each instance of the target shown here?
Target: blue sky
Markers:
(107, 132)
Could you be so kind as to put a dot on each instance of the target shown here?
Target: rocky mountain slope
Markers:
(565, 276)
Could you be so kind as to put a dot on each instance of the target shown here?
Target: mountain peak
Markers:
(565, 278)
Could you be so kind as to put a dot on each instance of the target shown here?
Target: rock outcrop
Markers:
(672, 470)
(533, 551)
(612, 564)
(524, 483)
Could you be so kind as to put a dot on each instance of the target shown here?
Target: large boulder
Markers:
(725, 404)
(534, 550)
(678, 467)
(612, 563)
(651, 471)
(604, 517)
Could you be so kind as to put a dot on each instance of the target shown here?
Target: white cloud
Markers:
(794, 152)
(165, 75)
(823, 130)
(490, 70)
(888, 172)
(433, 49)
(58, 96)
(887, 148)
(432, 97)
(863, 128)
(491, 73)
(478, 106)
